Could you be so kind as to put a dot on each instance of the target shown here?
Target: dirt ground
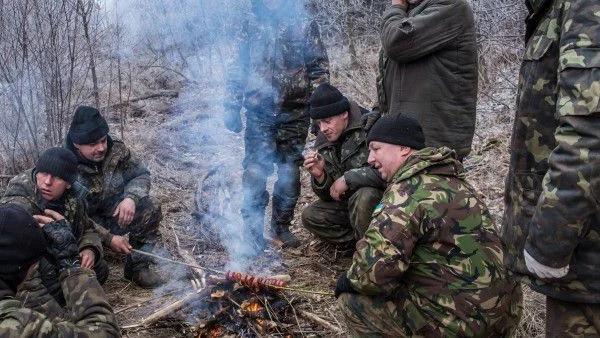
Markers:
(169, 135)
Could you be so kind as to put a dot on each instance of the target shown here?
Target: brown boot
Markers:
(142, 275)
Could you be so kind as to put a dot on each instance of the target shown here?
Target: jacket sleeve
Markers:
(317, 61)
(384, 253)
(34, 295)
(322, 190)
(138, 180)
(406, 39)
(364, 177)
(571, 186)
(90, 237)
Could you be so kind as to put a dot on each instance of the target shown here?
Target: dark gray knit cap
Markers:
(397, 129)
(88, 126)
(59, 162)
(327, 101)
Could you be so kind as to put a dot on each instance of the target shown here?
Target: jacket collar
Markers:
(434, 161)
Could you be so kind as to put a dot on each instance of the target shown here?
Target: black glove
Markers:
(62, 244)
(343, 285)
(232, 119)
(368, 120)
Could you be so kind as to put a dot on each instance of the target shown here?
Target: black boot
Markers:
(137, 269)
(283, 233)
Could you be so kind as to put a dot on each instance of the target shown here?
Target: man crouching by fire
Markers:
(430, 263)
(118, 194)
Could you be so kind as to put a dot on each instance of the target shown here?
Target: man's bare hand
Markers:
(338, 189)
(48, 217)
(125, 212)
(315, 165)
(402, 3)
(120, 245)
(88, 257)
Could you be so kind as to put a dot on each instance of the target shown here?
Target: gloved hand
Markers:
(62, 244)
(541, 270)
(232, 118)
(343, 285)
(368, 120)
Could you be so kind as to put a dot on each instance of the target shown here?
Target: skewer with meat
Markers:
(253, 282)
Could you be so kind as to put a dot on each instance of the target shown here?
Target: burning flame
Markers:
(216, 332)
(252, 307)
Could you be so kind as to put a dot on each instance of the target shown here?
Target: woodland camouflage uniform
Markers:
(344, 221)
(121, 175)
(23, 190)
(430, 263)
(553, 183)
(90, 313)
(280, 61)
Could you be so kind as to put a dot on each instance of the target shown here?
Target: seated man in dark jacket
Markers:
(118, 193)
(348, 188)
(430, 263)
(49, 192)
(22, 244)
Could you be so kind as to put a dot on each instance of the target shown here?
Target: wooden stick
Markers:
(316, 319)
(169, 309)
(177, 262)
(145, 301)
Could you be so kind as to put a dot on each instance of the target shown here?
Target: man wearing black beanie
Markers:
(118, 195)
(348, 188)
(23, 243)
(50, 193)
(431, 255)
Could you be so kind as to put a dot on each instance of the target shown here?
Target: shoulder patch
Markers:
(377, 210)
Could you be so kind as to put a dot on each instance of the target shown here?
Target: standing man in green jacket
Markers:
(118, 194)
(347, 187)
(50, 193)
(22, 245)
(428, 69)
(430, 263)
(551, 225)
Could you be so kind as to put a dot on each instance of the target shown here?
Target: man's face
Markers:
(387, 158)
(333, 127)
(272, 4)
(94, 152)
(51, 187)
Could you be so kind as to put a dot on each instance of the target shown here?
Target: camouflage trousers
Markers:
(269, 140)
(340, 222)
(49, 275)
(566, 319)
(369, 316)
(143, 230)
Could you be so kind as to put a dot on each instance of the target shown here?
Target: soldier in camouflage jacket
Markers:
(347, 187)
(430, 263)
(551, 226)
(27, 190)
(118, 193)
(22, 244)
(280, 60)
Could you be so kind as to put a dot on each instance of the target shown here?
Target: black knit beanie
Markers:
(22, 243)
(397, 129)
(88, 126)
(327, 101)
(59, 162)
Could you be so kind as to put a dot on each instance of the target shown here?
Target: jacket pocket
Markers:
(578, 82)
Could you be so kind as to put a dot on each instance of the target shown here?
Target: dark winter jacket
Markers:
(428, 70)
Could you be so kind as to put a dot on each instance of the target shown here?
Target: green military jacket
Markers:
(432, 249)
(91, 315)
(349, 157)
(553, 185)
(120, 175)
(22, 190)
(428, 70)
(280, 60)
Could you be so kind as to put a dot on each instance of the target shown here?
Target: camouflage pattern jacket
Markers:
(280, 61)
(347, 156)
(433, 249)
(119, 176)
(428, 70)
(553, 186)
(91, 315)
(22, 190)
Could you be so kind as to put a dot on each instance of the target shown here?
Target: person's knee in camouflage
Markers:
(118, 193)
(360, 208)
